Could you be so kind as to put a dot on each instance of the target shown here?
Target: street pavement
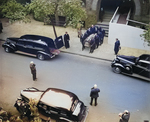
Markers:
(104, 52)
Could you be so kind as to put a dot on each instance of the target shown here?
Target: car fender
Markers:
(11, 46)
(128, 67)
(46, 54)
(119, 65)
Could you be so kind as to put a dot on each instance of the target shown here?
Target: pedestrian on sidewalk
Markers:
(92, 45)
(117, 46)
(82, 42)
(94, 94)
(66, 40)
(1, 27)
(124, 117)
(97, 40)
(33, 70)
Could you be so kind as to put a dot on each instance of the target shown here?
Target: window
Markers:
(21, 43)
(29, 44)
(144, 64)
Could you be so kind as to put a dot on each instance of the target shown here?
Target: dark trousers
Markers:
(34, 76)
(92, 101)
(92, 49)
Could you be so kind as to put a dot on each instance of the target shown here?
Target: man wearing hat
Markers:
(124, 117)
(33, 70)
(94, 94)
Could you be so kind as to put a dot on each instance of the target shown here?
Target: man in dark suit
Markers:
(97, 40)
(66, 40)
(94, 94)
(92, 45)
(1, 27)
(117, 46)
(82, 42)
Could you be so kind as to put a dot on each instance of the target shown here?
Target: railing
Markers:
(128, 17)
(136, 22)
(114, 15)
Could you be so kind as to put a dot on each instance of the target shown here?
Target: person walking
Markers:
(33, 70)
(117, 46)
(66, 40)
(94, 94)
(124, 117)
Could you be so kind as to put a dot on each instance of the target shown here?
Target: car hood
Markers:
(129, 58)
(32, 94)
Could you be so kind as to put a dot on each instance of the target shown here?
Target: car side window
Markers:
(37, 46)
(29, 44)
(143, 64)
(21, 43)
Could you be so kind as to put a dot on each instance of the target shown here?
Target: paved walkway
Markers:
(105, 51)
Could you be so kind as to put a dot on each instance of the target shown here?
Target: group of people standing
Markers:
(96, 39)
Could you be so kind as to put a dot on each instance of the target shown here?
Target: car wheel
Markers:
(7, 49)
(117, 70)
(40, 56)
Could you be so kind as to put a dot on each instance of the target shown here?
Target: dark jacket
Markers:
(33, 68)
(97, 39)
(94, 92)
(116, 47)
(126, 116)
(66, 37)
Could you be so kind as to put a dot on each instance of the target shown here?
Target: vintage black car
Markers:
(134, 66)
(55, 103)
(34, 45)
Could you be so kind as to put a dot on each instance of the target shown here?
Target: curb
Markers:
(87, 56)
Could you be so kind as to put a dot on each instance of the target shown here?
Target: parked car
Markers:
(134, 66)
(34, 45)
(55, 103)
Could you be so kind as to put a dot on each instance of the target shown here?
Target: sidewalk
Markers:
(105, 51)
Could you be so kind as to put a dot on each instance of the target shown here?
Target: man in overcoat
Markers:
(94, 94)
(66, 40)
(82, 42)
(124, 117)
(92, 45)
(97, 40)
(33, 70)
(117, 46)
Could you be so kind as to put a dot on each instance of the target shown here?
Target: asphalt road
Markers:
(76, 74)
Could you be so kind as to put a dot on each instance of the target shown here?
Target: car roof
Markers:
(35, 41)
(145, 57)
(58, 98)
(47, 40)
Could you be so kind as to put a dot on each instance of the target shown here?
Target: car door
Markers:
(21, 46)
(143, 68)
(29, 48)
(59, 42)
